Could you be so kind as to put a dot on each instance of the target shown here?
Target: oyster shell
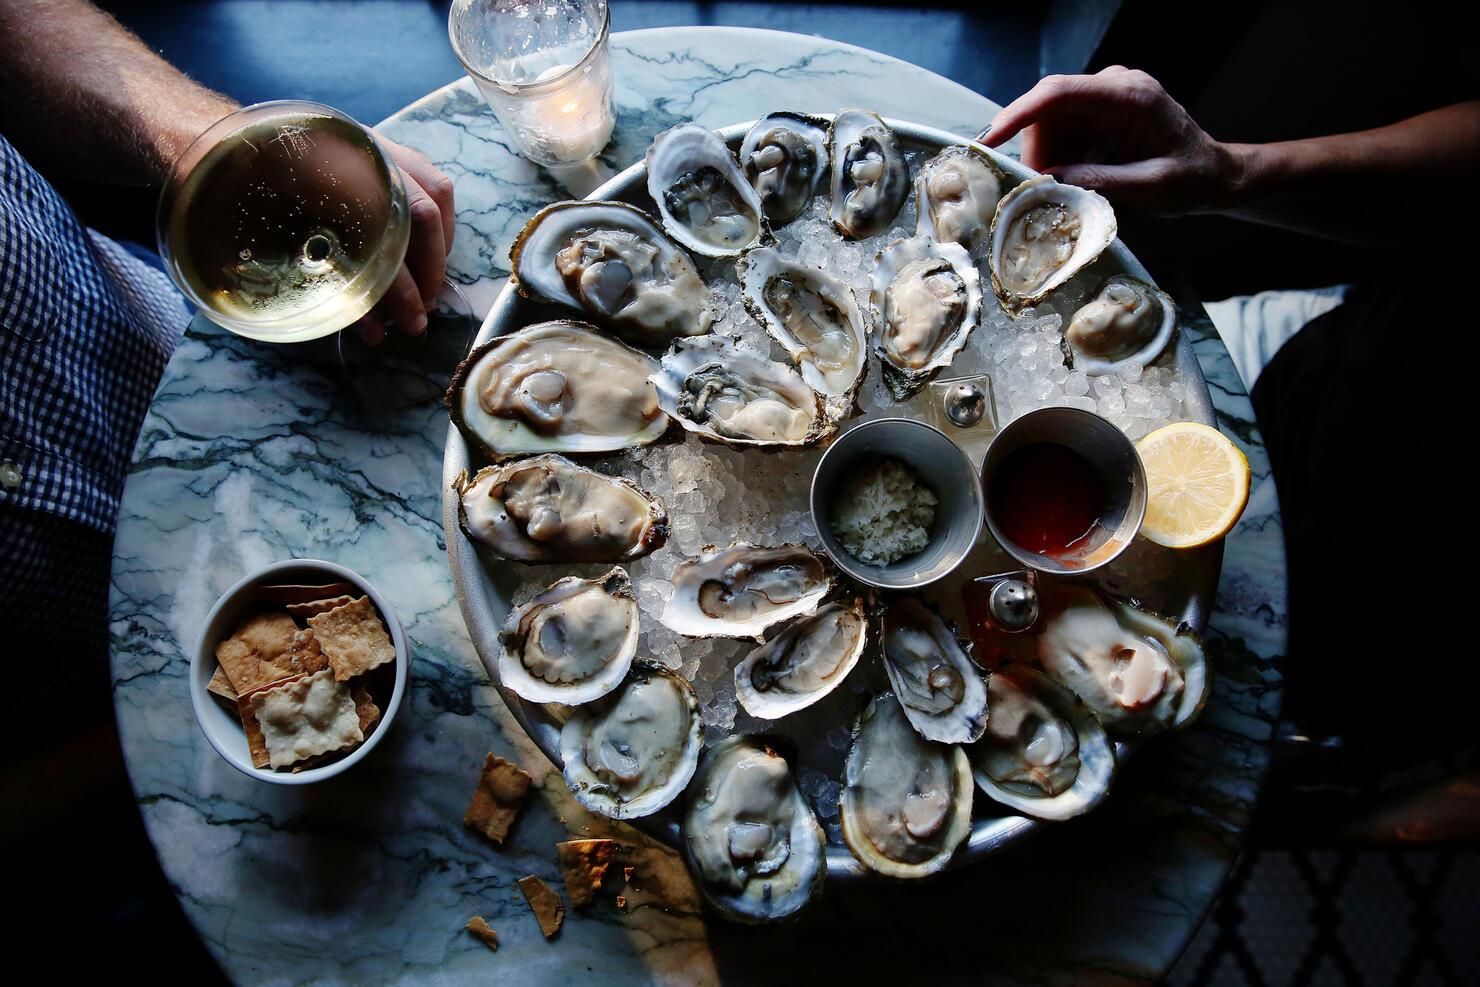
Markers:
(1043, 234)
(870, 177)
(1126, 321)
(548, 509)
(809, 658)
(926, 300)
(906, 801)
(1044, 754)
(571, 643)
(785, 158)
(941, 690)
(632, 752)
(1137, 673)
(612, 262)
(752, 843)
(742, 590)
(813, 315)
(705, 201)
(555, 387)
(722, 392)
(956, 195)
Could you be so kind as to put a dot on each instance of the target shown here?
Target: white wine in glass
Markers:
(284, 221)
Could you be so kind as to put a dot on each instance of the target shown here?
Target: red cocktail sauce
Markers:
(1047, 499)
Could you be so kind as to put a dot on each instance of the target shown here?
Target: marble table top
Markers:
(253, 453)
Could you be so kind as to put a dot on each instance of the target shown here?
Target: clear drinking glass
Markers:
(284, 221)
(545, 68)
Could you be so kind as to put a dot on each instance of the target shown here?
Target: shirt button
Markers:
(10, 474)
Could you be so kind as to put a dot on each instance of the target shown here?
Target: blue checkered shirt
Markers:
(86, 328)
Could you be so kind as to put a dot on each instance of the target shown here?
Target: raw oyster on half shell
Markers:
(1137, 673)
(813, 315)
(555, 387)
(612, 262)
(1042, 235)
(809, 658)
(725, 393)
(956, 195)
(704, 199)
(571, 643)
(942, 691)
(750, 839)
(870, 177)
(926, 300)
(548, 509)
(1127, 321)
(785, 158)
(742, 590)
(1044, 754)
(633, 752)
(906, 801)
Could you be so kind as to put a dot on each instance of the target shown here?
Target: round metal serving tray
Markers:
(484, 606)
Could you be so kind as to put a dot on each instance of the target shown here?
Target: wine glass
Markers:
(284, 221)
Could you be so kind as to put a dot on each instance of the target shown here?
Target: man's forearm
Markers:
(1368, 186)
(84, 98)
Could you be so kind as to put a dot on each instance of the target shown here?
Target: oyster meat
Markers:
(548, 509)
(555, 387)
(942, 692)
(956, 193)
(572, 643)
(1137, 673)
(926, 300)
(906, 801)
(870, 177)
(1044, 233)
(1044, 754)
(632, 752)
(742, 590)
(722, 392)
(705, 201)
(752, 843)
(1127, 321)
(813, 315)
(612, 262)
(809, 658)
(785, 158)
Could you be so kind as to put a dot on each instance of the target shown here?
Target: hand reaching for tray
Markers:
(1119, 132)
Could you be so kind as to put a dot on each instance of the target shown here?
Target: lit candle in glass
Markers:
(545, 69)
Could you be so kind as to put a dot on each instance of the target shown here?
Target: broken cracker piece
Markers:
(547, 905)
(304, 656)
(353, 638)
(482, 932)
(313, 607)
(500, 792)
(585, 863)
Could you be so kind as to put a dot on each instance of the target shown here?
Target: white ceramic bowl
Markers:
(223, 728)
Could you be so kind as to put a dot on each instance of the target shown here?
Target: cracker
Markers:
(353, 638)
(496, 801)
(312, 607)
(283, 594)
(482, 932)
(547, 905)
(305, 656)
(585, 863)
(256, 653)
(220, 684)
(311, 715)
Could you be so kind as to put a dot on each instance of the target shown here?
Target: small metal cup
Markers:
(938, 463)
(1109, 453)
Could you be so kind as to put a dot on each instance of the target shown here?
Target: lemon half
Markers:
(1197, 483)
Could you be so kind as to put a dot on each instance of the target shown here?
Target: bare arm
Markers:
(84, 98)
(1119, 132)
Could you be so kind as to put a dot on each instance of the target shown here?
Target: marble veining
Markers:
(253, 453)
